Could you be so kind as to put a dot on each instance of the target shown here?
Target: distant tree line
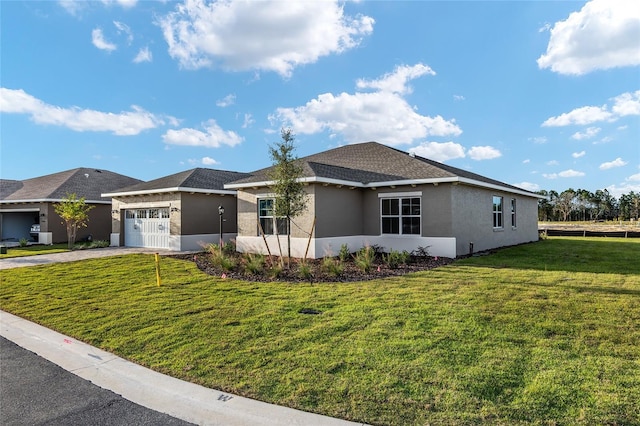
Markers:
(583, 205)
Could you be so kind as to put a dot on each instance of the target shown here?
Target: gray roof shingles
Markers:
(83, 181)
(198, 178)
(372, 162)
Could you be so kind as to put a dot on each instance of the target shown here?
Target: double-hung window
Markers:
(267, 220)
(497, 213)
(513, 212)
(401, 216)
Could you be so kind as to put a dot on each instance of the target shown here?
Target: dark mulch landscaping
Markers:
(350, 272)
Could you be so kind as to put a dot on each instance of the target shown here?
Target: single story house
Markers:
(182, 211)
(372, 194)
(27, 206)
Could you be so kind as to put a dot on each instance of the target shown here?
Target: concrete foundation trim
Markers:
(320, 247)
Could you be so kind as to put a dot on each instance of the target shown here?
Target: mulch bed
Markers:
(351, 271)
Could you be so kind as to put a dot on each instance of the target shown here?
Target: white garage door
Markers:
(146, 228)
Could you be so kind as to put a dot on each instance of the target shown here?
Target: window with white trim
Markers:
(401, 216)
(266, 218)
(513, 212)
(497, 213)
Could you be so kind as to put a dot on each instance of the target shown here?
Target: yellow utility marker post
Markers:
(158, 269)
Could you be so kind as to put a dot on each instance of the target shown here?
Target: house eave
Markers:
(170, 190)
(50, 200)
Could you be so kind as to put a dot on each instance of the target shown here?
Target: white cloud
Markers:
(439, 151)
(144, 55)
(527, 161)
(264, 35)
(383, 116)
(228, 100)
(458, 98)
(552, 163)
(213, 136)
(606, 139)
(248, 121)
(625, 188)
(578, 154)
(544, 28)
(396, 81)
(208, 161)
(98, 40)
(587, 134)
(126, 4)
(618, 162)
(564, 174)
(625, 104)
(538, 140)
(483, 153)
(533, 187)
(603, 34)
(570, 173)
(580, 116)
(123, 124)
(124, 28)
(74, 7)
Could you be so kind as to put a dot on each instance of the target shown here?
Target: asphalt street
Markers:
(34, 391)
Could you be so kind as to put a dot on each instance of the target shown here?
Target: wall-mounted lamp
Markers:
(43, 215)
(114, 211)
(175, 209)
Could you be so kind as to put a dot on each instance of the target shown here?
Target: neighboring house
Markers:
(177, 212)
(371, 194)
(27, 206)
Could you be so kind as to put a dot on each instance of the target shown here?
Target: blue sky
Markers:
(542, 95)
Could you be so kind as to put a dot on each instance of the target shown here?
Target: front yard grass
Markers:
(34, 250)
(545, 333)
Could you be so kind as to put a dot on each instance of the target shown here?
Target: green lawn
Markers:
(34, 250)
(545, 333)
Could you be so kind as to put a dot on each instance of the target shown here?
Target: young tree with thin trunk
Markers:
(290, 196)
(74, 213)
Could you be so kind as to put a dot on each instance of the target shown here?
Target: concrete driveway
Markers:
(71, 256)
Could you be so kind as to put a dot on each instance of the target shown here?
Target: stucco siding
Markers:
(199, 214)
(473, 219)
(338, 211)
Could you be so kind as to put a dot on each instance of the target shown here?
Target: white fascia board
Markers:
(168, 190)
(499, 188)
(51, 200)
(19, 210)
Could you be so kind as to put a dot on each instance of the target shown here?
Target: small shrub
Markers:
(305, 271)
(254, 263)
(229, 248)
(23, 242)
(344, 253)
(395, 258)
(364, 259)
(421, 252)
(220, 259)
(333, 267)
(274, 271)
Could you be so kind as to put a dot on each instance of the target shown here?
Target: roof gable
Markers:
(200, 179)
(84, 182)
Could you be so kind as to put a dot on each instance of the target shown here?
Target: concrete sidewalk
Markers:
(72, 256)
(183, 400)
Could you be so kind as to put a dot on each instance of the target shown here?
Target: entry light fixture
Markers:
(114, 211)
(175, 209)
(43, 214)
(220, 210)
